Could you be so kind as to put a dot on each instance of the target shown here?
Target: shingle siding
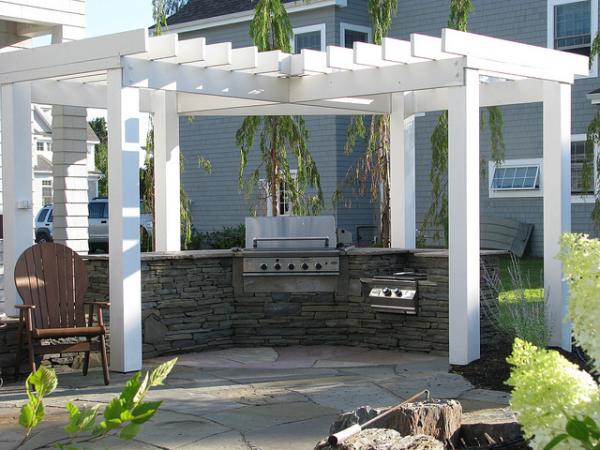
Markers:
(216, 200)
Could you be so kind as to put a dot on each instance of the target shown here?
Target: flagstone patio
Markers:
(254, 398)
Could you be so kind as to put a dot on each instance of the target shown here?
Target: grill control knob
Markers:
(304, 266)
(277, 266)
(318, 266)
(291, 266)
(387, 292)
(398, 292)
(263, 266)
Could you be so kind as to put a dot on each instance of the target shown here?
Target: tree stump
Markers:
(382, 439)
(440, 419)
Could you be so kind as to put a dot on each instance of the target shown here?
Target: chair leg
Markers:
(31, 352)
(19, 348)
(104, 359)
(86, 359)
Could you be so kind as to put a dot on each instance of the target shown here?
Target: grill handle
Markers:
(256, 240)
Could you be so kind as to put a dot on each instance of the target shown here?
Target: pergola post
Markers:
(463, 214)
(402, 181)
(17, 182)
(167, 221)
(124, 224)
(557, 205)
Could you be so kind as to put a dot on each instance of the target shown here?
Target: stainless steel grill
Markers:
(290, 254)
(397, 293)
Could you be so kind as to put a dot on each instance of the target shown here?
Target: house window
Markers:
(583, 168)
(284, 197)
(349, 34)
(572, 27)
(311, 37)
(39, 145)
(47, 192)
(515, 178)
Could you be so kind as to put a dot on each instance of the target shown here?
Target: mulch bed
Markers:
(491, 371)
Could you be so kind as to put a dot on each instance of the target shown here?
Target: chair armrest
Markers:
(25, 306)
(103, 304)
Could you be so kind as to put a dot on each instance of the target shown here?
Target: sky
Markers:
(113, 16)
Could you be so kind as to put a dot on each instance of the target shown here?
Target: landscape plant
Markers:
(516, 309)
(271, 29)
(557, 403)
(123, 417)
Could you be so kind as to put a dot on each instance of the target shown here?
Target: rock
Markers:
(154, 330)
(386, 439)
(440, 419)
(499, 424)
(358, 416)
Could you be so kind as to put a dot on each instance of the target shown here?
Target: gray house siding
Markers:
(216, 200)
(518, 20)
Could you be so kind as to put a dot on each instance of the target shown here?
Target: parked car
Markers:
(97, 224)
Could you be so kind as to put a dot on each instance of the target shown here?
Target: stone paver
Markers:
(258, 398)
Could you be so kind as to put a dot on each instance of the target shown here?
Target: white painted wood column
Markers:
(402, 180)
(463, 215)
(124, 225)
(17, 182)
(557, 205)
(166, 172)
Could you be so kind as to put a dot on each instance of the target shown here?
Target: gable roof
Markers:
(204, 9)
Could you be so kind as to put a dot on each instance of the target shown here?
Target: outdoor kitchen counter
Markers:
(192, 300)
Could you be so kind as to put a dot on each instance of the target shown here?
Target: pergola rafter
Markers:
(130, 72)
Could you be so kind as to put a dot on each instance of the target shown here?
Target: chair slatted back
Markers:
(54, 279)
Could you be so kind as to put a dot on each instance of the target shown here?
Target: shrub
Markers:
(226, 238)
(520, 310)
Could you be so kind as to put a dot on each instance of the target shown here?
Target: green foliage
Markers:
(547, 390)
(436, 217)
(520, 312)
(161, 10)
(589, 178)
(382, 13)
(101, 153)
(271, 28)
(580, 256)
(122, 417)
(586, 431)
(371, 172)
(558, 405)
(228, 237)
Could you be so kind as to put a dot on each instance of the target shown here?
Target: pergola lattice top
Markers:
(244, 81)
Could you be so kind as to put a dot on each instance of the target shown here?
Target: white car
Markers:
(97, 224)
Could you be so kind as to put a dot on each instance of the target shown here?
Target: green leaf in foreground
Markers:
(159, 375)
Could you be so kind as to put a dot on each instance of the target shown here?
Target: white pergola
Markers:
(130, 73)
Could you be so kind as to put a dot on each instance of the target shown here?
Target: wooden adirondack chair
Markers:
(52, 281)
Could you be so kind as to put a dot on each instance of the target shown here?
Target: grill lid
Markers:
(291, 232)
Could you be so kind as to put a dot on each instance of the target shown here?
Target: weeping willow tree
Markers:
(436, 217)
(278, 136)
(589, 177)
(371, 172)
(161, 9)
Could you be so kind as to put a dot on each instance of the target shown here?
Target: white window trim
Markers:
(350, 26)
(308, 29)
(586, 198)
(521, 193)
(594, 28)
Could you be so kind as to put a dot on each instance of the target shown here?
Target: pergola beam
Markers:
(196, 80)
(66, 93)
(383, 80)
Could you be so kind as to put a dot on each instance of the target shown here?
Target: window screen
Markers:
(310, 40)
(582, 166)
(572, 27)
(352, 36)
(516, 178)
